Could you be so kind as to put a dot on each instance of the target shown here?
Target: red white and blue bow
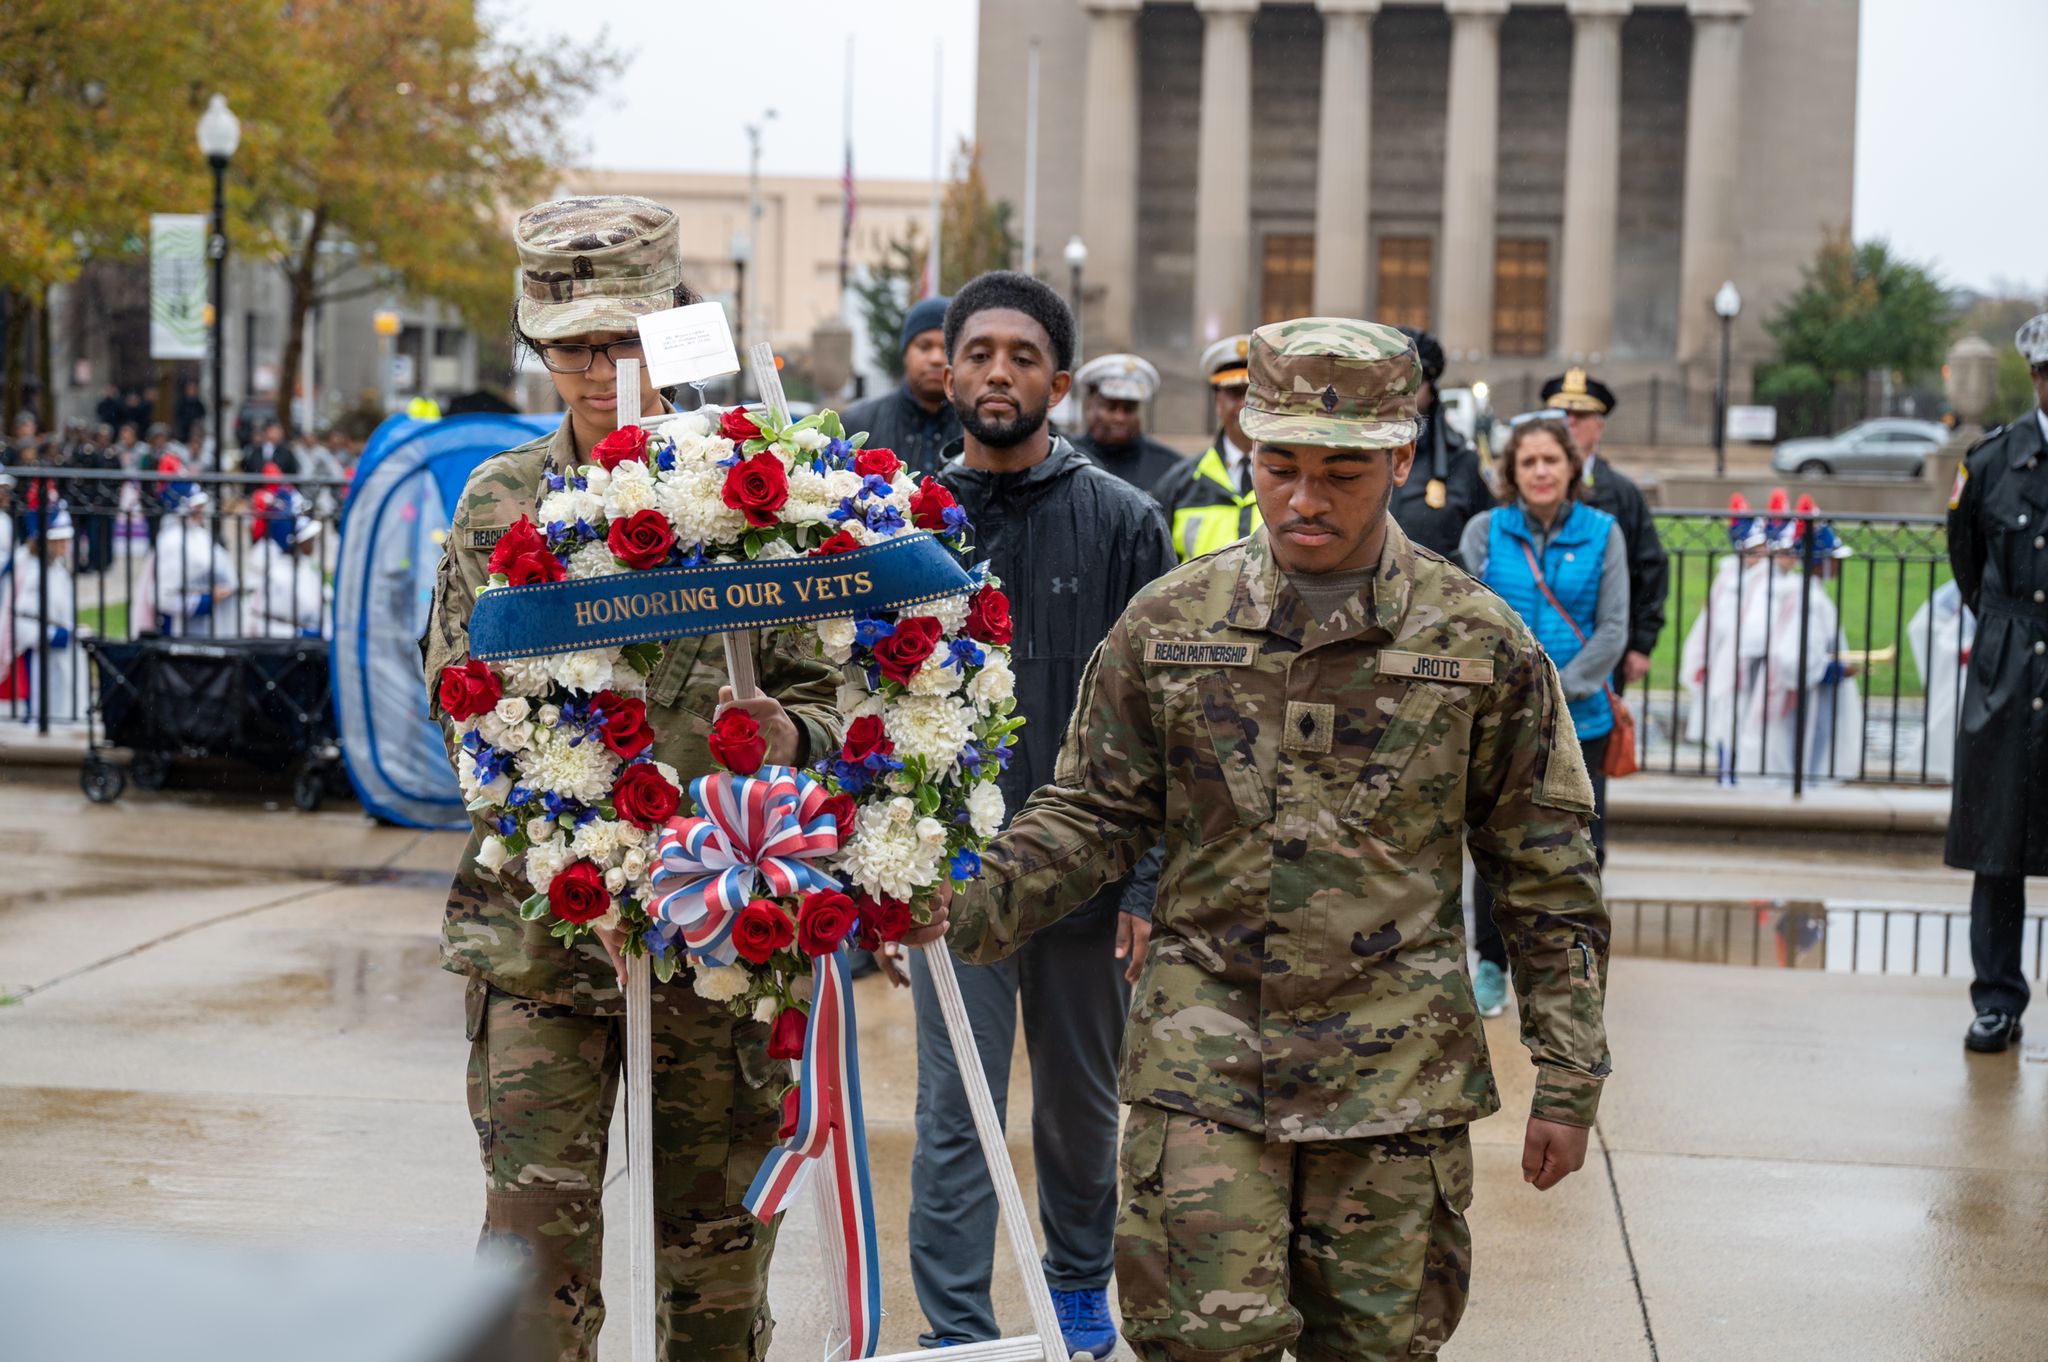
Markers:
(831, 1129)
(750, 832)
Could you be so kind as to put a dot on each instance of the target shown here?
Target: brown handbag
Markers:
(1620, 757)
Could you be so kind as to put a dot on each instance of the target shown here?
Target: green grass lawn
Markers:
(1893, 572)
(109, 621)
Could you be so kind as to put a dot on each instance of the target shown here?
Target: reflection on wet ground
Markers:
(234, 1024)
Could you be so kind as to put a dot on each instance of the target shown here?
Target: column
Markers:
(1109, 172)
(1223, 171)
(1592, 181)
(1344, 158)
(1471, 164)
(1706, 255)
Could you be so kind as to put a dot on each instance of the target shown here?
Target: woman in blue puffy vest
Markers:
(1544, 536)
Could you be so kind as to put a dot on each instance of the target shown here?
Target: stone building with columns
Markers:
(1536, 181)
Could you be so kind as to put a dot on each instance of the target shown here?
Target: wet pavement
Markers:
(230, 1022)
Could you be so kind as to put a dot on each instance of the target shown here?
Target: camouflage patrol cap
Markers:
(1332, 381)
(595, 263)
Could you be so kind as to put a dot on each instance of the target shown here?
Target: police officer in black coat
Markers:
(1998, 546)
(914, 418)
(1586, 402)
(1447, 487)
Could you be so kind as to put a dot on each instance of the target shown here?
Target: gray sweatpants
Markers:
(1072, 991)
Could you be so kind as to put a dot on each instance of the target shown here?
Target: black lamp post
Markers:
(1727, 305)
(220, 132)
(1077, 256)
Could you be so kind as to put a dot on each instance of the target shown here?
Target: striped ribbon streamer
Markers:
(750, 832)
(831, 1129)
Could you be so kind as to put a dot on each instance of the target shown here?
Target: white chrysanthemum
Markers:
(810, 501)
(599, 840)
(589, 671)
(513, 737)
(527, 676)
(855, 700)
(886, 857)
(544, 861)
(593, 559)
(950, 612)
(694, 503)
(934, 677)
(836, 638)
(569, 506)
(993, 683)
(934, 727)
(777, 548)
(492, 855)
(583, 773)
(631, 491)
(721, 983)
(596, 478)
(985, 809)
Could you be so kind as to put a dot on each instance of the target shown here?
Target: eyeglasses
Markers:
(576, 359)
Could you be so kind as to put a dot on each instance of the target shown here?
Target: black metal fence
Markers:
(1797, 664)
(148, 555)
(1838, 936)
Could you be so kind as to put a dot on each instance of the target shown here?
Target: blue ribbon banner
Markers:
(666, 603)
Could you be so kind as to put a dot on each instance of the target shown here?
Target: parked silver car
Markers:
(1891, 445)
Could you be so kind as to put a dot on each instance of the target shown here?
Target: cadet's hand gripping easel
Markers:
(1047, 1343)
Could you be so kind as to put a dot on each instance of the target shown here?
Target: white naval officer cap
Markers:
(1120, 378)
(2033, 340)
(1226, 363)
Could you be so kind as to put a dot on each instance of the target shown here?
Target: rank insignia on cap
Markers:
(1330, 398)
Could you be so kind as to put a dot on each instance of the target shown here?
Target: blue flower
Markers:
(875, 485)
(845, 511)
(665, 460)
(520, 797)
(957, 521)
(839, 450)
(694, 558)
(966, 864)
(556, 482)
(506, 825)
(868, 631)
(851, 778)
(971, 758)
(882, 516)
(964, 653)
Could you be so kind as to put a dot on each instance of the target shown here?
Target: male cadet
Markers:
(1586, 403)
(1210, 502)
(1318, 719)
(915, 420)
(1998, 546)
(1114, 391)
(1447, 489)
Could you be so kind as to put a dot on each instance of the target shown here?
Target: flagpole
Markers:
(935, 285)
(846, 206)
(1030, 265)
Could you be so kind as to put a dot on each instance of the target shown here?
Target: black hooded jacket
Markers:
(1072, 544)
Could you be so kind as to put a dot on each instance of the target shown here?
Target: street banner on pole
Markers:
(177, 286)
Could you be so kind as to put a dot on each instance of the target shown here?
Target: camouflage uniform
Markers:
(1303, 1054)
(543, 1019)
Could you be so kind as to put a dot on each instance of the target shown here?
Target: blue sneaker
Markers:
(1490, 989)
(1085, 1322)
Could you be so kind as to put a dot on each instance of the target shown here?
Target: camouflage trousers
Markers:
(542, 1082)
(1231, 1247)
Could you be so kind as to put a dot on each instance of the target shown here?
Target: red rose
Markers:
(627, 444)
(900, 654)
(844, 813)
(522, 536)
(988, 616)
(842, 542)
(577, 892)
(737, 744)
(758, 488)
(469, 690)
(866, 737)
(792, 1108)
(929, 504)
(643, 798)
(879, 463)
(762, 929)
(537, 566)
(738, 427)
(625, 724)
(642, 540)
(823, 922)
(786, 1035)
(884, 919)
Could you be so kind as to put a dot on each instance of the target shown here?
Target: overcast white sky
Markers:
(1949, 165)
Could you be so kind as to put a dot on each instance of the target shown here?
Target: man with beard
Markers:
(1317, 719)
(915, 420)
(1114, 391)
(1071, 544)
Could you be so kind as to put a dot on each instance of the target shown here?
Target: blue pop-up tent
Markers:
(393, 526)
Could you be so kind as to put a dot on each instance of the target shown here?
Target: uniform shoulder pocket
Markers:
(1566, 783)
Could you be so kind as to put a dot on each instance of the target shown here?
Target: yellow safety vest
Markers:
(1224, 518)
(423, 409)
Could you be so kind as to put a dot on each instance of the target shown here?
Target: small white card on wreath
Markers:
(688, 345)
